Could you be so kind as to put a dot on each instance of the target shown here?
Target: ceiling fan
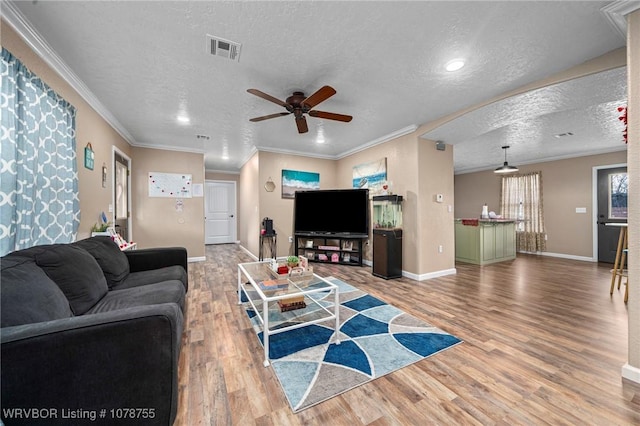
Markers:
(298, 105)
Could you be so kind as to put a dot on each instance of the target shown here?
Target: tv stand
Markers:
(343, 249)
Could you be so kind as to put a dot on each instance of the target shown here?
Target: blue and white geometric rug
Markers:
(375, 339)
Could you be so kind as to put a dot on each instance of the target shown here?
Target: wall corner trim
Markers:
(631, 373)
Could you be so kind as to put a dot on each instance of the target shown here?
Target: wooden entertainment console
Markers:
(330, 248)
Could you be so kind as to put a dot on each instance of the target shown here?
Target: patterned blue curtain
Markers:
(38, 177)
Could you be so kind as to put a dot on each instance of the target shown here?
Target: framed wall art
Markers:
(293, 180)
(370, 175)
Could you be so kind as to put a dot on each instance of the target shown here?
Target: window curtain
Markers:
(38, 173)
(521, 199)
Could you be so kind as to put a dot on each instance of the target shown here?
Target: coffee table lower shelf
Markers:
(268, 311)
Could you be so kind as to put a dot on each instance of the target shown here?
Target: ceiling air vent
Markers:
(563, 135)
(218, 46)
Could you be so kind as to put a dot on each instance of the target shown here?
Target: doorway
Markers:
(122, 194)
(220, 212)
(611, 208)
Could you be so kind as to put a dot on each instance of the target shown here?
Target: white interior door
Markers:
(220, 212)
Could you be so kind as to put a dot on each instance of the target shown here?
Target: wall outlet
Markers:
(439, 198)
(440, 249)
(290, 239)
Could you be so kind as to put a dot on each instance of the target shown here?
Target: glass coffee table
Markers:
(284, 302)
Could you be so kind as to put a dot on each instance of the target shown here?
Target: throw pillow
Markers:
(77, 274)
(28, 295)
(112, 260)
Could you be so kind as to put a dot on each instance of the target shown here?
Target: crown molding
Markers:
(616, 12)
(14, 17)
(170, 148)
(386, 138)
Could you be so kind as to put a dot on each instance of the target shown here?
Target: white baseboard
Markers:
(561, 255)
(429, 275)
(631, 373)
(196, 259)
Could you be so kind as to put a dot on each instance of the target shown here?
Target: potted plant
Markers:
(100, 229)
(292, 261)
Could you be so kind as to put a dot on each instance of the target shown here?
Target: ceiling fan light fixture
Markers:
(299, 105)
(505, 168)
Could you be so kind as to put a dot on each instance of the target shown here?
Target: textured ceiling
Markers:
(146, 63)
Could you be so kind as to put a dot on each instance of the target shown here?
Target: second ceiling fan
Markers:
(298, 105)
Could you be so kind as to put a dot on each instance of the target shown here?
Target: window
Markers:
(521, 199)
(618, 188)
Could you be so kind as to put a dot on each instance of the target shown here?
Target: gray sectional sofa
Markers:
(86, 327)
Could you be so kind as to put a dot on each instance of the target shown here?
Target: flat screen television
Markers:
(332, 211)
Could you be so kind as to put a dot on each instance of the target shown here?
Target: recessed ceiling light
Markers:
(183, 119)
(454, 65)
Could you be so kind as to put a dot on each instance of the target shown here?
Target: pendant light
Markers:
(506, 168)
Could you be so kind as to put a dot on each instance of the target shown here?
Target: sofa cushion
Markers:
(29, 295)
(152, 294)
(77, 274)
(112, 260)
(136, 279)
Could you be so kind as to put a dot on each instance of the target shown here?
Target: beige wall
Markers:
(156, 221)
(566, 184)
(209, 175)
(435, 224)
(418, 172)
(90, 127)
(249, 214)
(273, 206)
(632, 370)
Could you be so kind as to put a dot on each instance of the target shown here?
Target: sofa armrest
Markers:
(156, 258)
(81, 365)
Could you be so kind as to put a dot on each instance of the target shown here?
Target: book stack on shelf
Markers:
(291, 303)
(273, 285)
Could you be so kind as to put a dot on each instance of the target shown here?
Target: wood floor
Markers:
(544, 343)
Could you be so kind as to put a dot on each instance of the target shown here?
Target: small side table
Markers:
(271, 243)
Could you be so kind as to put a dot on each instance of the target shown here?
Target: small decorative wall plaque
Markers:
(88, 156)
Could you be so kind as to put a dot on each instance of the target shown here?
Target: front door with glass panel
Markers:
(612, 208)
(121, 210)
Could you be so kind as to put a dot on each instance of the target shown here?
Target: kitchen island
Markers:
(485, 241)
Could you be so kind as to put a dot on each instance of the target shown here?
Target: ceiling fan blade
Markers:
(331, 116)
(267, 97)
(322, 94)
(266, 117)
(301, 122)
